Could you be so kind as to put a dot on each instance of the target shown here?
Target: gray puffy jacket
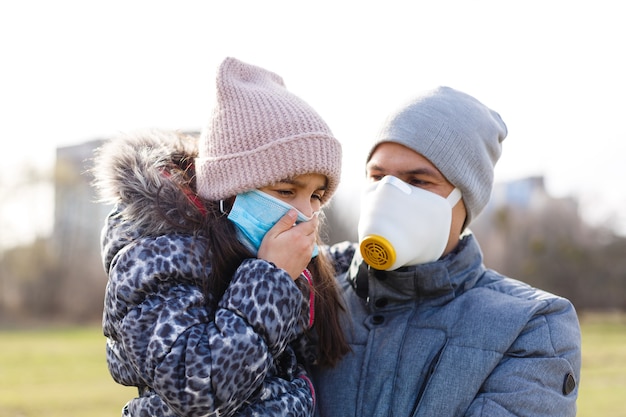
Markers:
(452, 338)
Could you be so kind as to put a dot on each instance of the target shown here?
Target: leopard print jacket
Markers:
(185, 358)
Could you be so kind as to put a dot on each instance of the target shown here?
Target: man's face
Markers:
(394, 159)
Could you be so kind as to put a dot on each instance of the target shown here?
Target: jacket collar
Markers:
(437, 282)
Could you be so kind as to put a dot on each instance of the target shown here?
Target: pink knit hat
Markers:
(259, 134)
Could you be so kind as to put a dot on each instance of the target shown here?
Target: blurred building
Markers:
(528, 195)
(78, 218)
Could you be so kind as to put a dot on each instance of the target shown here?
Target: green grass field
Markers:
(603, 379)
(62, 372)
(57, 372)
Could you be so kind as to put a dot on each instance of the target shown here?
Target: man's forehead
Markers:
(396, 156)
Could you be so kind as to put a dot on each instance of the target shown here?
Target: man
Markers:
(433, 331)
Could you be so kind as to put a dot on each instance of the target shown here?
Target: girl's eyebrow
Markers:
(294, 182)
(288, 181)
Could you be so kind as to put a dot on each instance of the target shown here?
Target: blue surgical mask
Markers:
(255, 213)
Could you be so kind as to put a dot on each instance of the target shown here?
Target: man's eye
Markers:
(418, 183)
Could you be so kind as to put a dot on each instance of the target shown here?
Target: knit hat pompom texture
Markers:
(458, 134)
(260, 134)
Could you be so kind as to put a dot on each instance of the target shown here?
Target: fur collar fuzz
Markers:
(147, 174)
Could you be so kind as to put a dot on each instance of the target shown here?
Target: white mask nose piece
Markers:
(454, 197)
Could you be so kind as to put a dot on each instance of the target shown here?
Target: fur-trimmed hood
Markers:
(149, 175)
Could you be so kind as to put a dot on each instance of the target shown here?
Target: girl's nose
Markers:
(305, 207)
(308, 211)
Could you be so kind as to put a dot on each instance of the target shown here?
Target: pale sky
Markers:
(73, 71)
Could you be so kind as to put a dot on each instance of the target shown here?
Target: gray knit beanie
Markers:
(458, 134)
(259, 134)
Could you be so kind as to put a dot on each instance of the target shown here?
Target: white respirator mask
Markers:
(402, 225)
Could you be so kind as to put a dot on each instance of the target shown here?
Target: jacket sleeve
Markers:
(279, 397)
(341, 255)
(539, 374)
(196, 362)
(276, 397)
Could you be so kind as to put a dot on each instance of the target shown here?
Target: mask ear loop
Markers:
(222, 208)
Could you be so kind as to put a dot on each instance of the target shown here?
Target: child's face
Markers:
(304, 192)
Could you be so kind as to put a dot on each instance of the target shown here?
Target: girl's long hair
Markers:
(331, 340)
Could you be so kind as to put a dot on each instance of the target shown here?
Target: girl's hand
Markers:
(290, 247)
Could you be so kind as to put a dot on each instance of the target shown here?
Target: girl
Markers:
(217, 292)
